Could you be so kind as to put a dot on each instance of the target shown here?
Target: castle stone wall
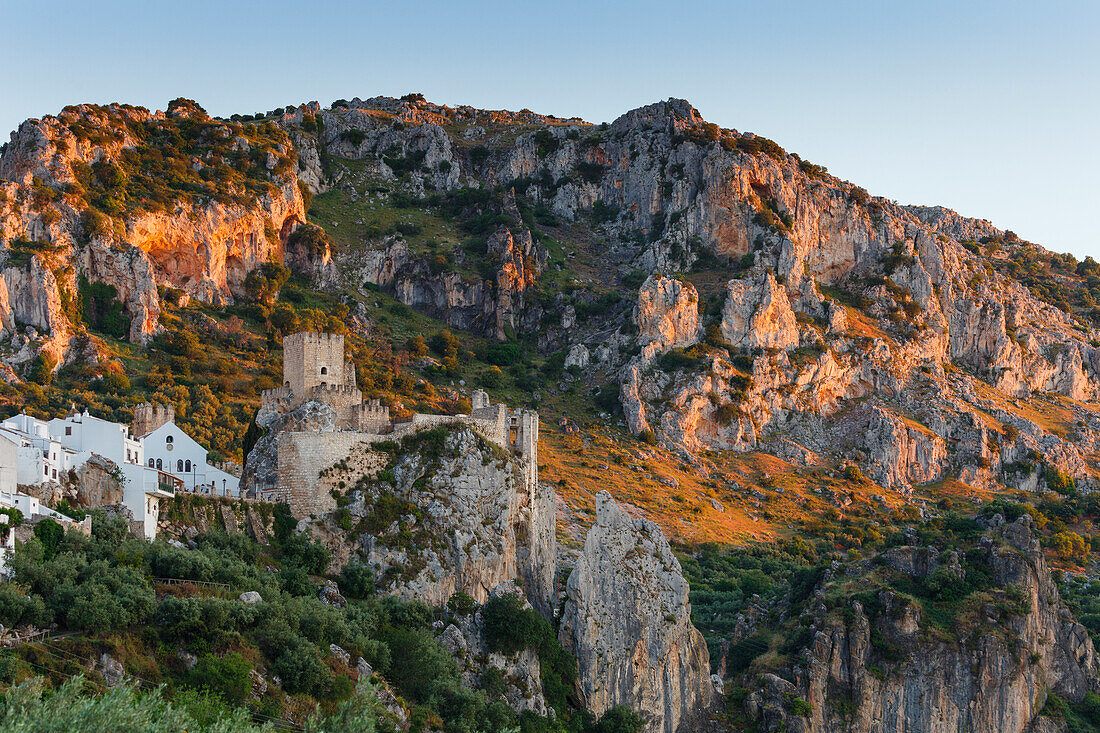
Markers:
(302, 458)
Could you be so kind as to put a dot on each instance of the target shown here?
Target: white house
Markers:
(41, 457)
(49, 448)
(9, 462)
(168, 448)
(84, 433)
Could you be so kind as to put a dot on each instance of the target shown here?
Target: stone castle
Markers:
(315, 370)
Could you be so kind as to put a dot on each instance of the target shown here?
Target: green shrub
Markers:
(110, 598)
(508, 626)
(545, 143)
(41, 367)
(19, 609)
(49, 533)
(302, 669)
(353, 137)
(356, 580)
(505, 354)
(308, 239)
(461, 604)
(620, 719)
(226, 676)
(590, 172)
(102, 310)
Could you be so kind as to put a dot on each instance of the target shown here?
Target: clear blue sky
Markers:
(990, 108)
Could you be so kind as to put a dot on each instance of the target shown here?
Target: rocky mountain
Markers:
(729, 340)
(138, 200)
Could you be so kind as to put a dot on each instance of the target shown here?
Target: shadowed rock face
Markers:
(476, 526)
(628, 621)
(991, 679)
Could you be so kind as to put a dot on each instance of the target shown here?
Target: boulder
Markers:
(758, 315)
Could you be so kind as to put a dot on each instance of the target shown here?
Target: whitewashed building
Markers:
(9, 462)
(168, 448)
(41, 457)
(50, 448)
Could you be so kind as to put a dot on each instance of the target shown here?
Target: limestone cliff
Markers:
(441, 512)
(628, 621)
(136, 200)
(830, 295)
(667, 314)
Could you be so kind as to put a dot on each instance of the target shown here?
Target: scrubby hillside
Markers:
(731, 341)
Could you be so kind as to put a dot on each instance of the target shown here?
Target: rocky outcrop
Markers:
(31, 296)
(261, 465)
(64, 188)
(759, 315)
(667, 314)
(464, 637)
(628, 621)
(473, 521)
(902, 453)
(881, 669)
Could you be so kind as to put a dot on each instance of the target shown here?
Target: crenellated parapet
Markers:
(148, 417)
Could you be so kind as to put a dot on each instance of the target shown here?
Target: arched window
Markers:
(159, 466)
(187, 466)
(179, 465)
(324, 370)
(169, 439)
(151, 463)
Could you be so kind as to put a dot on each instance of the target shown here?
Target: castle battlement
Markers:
(148, 417)
(336, 389)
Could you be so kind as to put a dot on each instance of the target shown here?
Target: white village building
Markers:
(9, 462)
(168, 448)
(11, 445)
(156, 459)
(49, 449)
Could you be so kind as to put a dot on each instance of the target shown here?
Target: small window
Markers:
(45, 470)
(324, 370)
(159, 466)
(169, 439)
(55, 473)
(179, 465)
(68, 430)
(151, 463)
(187, 466)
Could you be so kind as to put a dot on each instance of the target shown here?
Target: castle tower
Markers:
(149, 417)
(312, 359)
(479, 400)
